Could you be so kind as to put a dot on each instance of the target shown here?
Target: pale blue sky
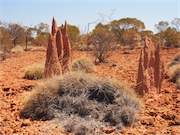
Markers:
(81, 12)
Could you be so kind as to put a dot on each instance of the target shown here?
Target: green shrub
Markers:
(35, 71)
(97, 101)
(84, 65)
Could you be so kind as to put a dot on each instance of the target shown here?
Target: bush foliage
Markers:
(98, 102)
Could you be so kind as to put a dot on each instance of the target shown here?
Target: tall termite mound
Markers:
(58, 55)
(150, 71)
(67, 50)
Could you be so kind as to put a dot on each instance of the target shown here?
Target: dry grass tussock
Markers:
(34, 72)
(84, 65)
(177, 57)
(42, 49)
(173, 70)
(84, 104)
(17, 48)
(175, 60)
(178, 83)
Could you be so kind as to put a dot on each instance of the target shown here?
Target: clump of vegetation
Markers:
(34, 72)
(177, 57)
(77, 98)
(42, 49)
(173, 70)
(17, 49)
(2, 55)
(84, 65)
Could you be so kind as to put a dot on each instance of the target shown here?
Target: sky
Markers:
(81, 12)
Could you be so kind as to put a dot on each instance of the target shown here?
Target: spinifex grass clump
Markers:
(34, 72)
(80, 98)
(83, 65)
(173, 70)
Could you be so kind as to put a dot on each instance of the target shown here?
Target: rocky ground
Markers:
(160, 116)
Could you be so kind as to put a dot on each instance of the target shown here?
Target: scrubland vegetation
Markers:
(104, 37)
(80, 101)
(77, 97)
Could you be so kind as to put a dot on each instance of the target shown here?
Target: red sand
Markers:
(159, 117)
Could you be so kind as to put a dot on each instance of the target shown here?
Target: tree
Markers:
(162, 26)
(73, 33)
(167, 35)
(131, 23)
(146, 33)
(42, 35)
(5, 38)
(176, 23)
(131, 37)
(29, 35)
(17, 32)
(102, 40)
(118, 27)
(117, 31)
(171, 37)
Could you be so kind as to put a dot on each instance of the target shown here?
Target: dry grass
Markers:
(34, 72)
(17, 49)
(37, 103)
(174, 72)
(176, 57)
(83, 65)
(100, 102)
(42, 49)
(178, 83)
(175, 60)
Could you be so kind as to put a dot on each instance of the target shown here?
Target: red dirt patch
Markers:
(160, 116)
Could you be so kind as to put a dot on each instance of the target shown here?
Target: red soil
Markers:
(160, 115)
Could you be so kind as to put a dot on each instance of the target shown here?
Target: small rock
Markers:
(6, 89)
(152, 113)
(108, 131)
(113, 65)
(168, 116)
(147, 121)
(25, 123)
(167, 90)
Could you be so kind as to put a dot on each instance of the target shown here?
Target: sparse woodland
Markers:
(123, 33)
(118, 79)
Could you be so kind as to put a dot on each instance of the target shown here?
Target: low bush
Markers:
(84, 104)
(34, 72)
(84, 65)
